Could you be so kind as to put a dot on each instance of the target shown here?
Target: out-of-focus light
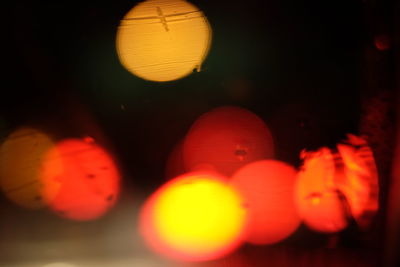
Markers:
(87, 176)
(194, 217)
(318, 200)
(21, 156)
(360, 180)
(227, 138)
(382, 42)
(163, 40)
(268, 190)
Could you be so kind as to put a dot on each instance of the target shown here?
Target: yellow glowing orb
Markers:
(21, 157)
(194, 217)
(163, 40)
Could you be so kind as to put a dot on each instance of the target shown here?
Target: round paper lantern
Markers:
(163, 40)
(88, 179)
(193, 217)
(21, 156)
(267, 187)
(227, 138)
(320, 204)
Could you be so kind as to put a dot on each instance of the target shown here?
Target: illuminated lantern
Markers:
(88, 178)
(226, 139)
(267, 187)
(193, 217)
(320, 204)
(21, 156)
(360, 180)
(163, 40)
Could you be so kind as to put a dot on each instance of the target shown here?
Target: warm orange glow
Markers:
(194, 217)
(21, 156)
(268, 188)
(87, 176)
(317, 198)
(227, 138)
(360, 183)
(163, 40)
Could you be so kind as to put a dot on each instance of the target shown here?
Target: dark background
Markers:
(299, 65)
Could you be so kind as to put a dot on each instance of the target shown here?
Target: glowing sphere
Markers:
(318, 200)
(88, 179)
(163, 40)
(193, 217)
(268, 189)
(227, 138)
(21, 156)
(382, 42)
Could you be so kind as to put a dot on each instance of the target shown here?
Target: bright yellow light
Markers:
(21, 156)
(197, 217)
(163, 40)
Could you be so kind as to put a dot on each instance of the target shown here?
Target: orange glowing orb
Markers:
(87, 176)
(268, 188)
(21, 156)
(319, 202)
(163, 40)
(194, 217)
(227, 138)
(360, 180)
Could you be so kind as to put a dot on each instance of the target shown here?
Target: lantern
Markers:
(193, 217)
(21, 156)
(163, 40)
(226, 139)
(360, 182)
(88, 179)
(267, 187)
(320, 204)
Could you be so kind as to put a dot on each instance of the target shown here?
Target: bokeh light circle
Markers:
(21, 156)
(227, 138)
(268, 190)
(194, 217)
(88, 179)
(163, 40)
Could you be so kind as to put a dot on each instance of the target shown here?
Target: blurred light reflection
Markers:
(88, 178)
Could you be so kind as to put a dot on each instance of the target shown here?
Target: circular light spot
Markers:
(163, 40)
(268, 188)
(21, 156)
(227, 138)
(88, 179)
(194, 217)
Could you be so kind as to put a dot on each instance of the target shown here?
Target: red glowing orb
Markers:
(268, 188)
(319, 202)
(227, 138)
(87, 179)
(382, 42)
(193, 217)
